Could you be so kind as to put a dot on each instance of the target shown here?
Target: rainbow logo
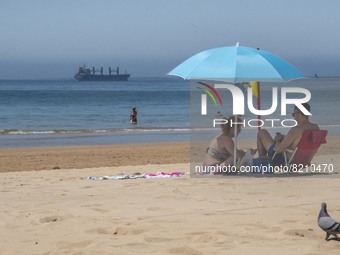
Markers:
(211, 92)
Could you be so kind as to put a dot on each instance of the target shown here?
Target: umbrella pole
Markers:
(235, 141)
(258, 107)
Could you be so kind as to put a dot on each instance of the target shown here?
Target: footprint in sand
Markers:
(50, 219)
(158, 209)
(101, 231)
(87, 187)
(95, 207)
(210, 238)
(128, 231)
(68, 245)
(269, 229)
(300, 232)
(186, 250)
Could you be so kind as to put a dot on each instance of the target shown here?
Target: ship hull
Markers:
(120, 77)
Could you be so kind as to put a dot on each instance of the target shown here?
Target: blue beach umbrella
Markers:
(237, 64)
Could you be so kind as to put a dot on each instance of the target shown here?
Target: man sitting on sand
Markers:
(267, 146)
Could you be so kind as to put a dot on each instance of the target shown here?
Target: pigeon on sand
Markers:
(327, 223)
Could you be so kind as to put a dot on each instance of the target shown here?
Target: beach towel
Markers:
(126, 176)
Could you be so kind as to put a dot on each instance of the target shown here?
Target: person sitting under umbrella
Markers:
(267, 146)
(221, 147)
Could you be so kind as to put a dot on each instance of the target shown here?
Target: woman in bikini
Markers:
(221, 148)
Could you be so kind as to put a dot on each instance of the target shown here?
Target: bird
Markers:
(327, 223)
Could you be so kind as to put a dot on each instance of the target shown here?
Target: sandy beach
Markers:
(77, 157)
(57, 210)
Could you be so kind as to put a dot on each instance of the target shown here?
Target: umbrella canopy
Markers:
(236, 64)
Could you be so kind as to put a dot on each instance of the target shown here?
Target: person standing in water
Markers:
(133, 115)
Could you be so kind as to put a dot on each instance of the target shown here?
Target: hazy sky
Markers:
(51, 38)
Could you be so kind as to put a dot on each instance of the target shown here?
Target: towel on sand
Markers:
(136, 176)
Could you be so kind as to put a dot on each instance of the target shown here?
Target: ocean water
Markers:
(68, 112)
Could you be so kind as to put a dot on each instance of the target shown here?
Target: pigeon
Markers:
(327, 223)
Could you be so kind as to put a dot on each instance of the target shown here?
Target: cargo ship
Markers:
(86, 74)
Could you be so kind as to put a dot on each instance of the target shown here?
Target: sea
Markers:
(68, 112)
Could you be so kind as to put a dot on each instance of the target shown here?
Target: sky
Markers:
(50, 39)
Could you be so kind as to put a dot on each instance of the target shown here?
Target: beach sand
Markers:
(61, 212)
(45, 158)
